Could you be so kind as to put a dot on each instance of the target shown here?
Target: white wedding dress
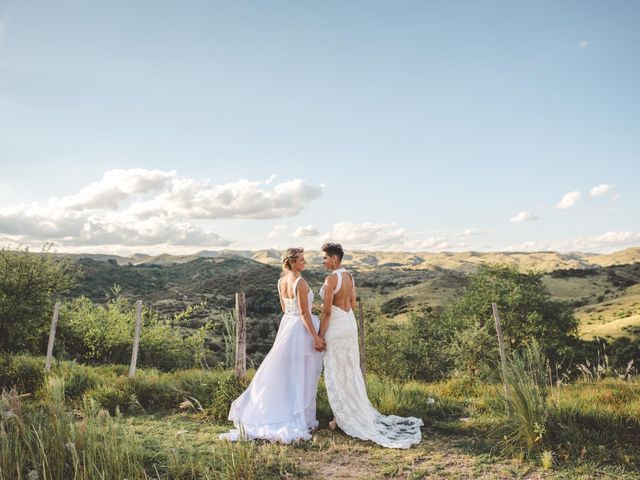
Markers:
(346, 388)
(280, 403)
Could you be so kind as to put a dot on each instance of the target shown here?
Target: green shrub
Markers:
(113, 397)
(460, 387)
(417, 350)
(78, 378)
(199, 386)
(24, 372)
(29, 283)
(104, 334)
(527, 313)
(154, 392)
(227, 389)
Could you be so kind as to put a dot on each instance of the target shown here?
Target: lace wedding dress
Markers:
(280, 403)
(346, 388)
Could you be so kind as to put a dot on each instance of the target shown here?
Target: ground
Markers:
(333, 455)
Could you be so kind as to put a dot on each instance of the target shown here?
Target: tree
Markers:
(29, 284)
(420, 349)
(526, 313)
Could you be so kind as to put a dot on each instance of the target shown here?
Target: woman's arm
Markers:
(303, 303)
(330, 284)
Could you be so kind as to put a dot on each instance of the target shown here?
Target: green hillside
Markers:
(606, 299)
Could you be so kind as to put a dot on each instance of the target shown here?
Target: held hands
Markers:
(319, 345)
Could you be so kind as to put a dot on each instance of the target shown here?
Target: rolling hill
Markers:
(604, 289)
(466, 262)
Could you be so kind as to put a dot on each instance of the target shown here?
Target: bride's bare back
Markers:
(345, 298)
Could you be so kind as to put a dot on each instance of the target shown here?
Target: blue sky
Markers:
(425, 126)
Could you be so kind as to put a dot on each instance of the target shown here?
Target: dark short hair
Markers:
(333, 249)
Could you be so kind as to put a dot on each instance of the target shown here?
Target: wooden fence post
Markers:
(503, 357)
(136, 339)
(241, 336)
(52, 336)
(363, 364)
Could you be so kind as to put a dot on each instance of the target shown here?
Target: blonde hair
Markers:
(289, 258)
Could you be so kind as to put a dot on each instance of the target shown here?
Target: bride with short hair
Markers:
(346, 389)
(280, 402)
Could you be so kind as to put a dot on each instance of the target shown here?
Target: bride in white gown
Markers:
(280, 403)
(346, 389)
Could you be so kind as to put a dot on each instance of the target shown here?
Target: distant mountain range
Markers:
(604, 289)
(465, 262)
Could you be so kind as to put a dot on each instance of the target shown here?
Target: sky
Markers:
(412, 126)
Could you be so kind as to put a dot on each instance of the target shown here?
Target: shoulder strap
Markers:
(295, 287)
(339, 285)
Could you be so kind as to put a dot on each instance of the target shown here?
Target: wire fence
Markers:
(238, 340)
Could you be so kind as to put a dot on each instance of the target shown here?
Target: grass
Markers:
(603, 309)
(84, 420)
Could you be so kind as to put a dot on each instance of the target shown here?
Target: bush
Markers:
(24, 372)
(78, 378)
(104, 334)
(227, 389)
(154, 392)
(28, 283)
(113, 397)
(396, 306)
(417, 350)
(527, 314)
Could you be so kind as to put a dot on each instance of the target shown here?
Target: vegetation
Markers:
(82, 420)
(51, 441)
(572, 404)
(526, 309)
(103, 333)
(29, 284)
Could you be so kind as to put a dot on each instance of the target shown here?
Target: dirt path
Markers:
(336, 456)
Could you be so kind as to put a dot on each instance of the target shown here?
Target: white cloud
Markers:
(617, 238)
(599, 190)
(569, 199)
(584, 43)
(472, 232)
(307, 231)
(387, 236)
(433, 242)
(115, 187)
(277, 230)
(524, 217)
(149, 207)
(366, 235)
(615, 197)
(607, 242)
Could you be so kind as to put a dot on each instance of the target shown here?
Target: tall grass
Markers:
(50, 443)
(44, 439)
(229, 338)
(526, 400)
